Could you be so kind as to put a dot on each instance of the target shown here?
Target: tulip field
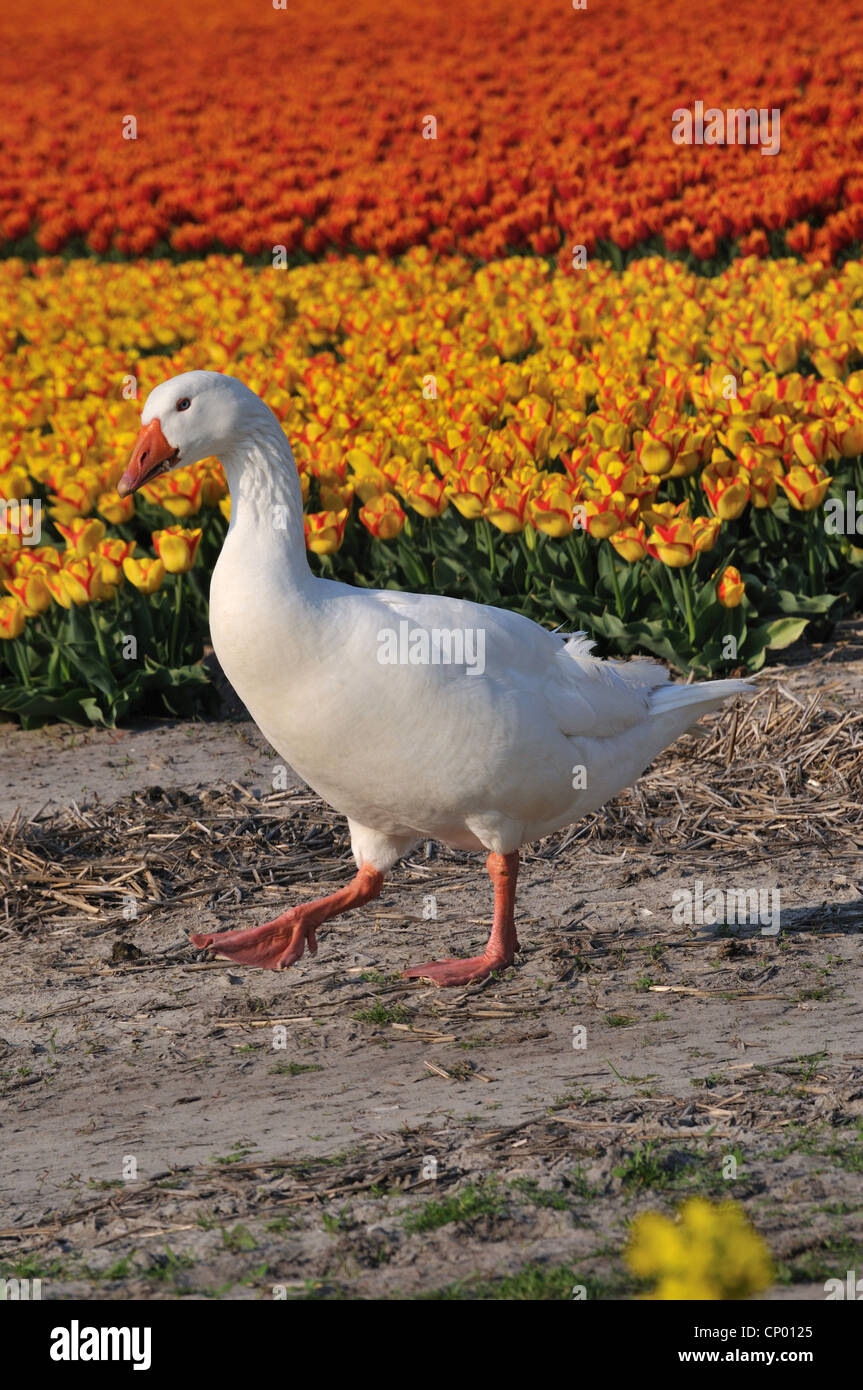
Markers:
(650, 453)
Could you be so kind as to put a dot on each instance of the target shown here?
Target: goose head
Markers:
(190, 417)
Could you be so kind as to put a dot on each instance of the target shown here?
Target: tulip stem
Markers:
(811, 545)
(175, 625)
(22, 667)
(618, 599)
(687, 599)
(97, 633)
(488, 539)
(574, 542)
(656, 585)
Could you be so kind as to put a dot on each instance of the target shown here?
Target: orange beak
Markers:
(150, 452)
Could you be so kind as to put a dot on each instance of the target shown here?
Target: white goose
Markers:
(528, 733)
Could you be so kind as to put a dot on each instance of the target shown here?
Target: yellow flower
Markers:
(88, 580)
(709, 1252)
(654, 455)
(552, 512)
(676, 539)
(630, 542)
(334, 496)
(146, 574)
(31, 592)
(81, 536)
(506, 507)
(325, 531)
(13, 616)
(427, 494)
(71, 501)
(115, 508)
(727, 488)
(848, 435)
(730, 589)
(705, 529)
(383, 517)
(812, 444)
(112, 554)
(181, 493)
(468, 491)
(805, 488)
(14, 484)
(177, 548)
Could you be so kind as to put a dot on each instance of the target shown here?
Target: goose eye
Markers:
(184, 403)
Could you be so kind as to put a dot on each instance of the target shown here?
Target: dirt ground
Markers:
(175, 1127)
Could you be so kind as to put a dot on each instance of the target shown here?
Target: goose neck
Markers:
(266, 497)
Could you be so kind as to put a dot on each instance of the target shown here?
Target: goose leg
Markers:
(276, 945)
(503, 942)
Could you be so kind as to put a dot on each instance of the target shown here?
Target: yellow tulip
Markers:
(325, 531)
(81, 536)
(805, 488)
(13, 616)
(730, 589)
(551, 512)
(177, 548)
(31, 591)
(115, 508)
(383, 517)
(146, 575)
(630, 542)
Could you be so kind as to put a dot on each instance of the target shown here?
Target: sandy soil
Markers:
(162, 1137)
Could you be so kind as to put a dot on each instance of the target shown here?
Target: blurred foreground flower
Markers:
(710, 1251)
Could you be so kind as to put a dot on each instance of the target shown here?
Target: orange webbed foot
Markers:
(275, 945)
(457, 970)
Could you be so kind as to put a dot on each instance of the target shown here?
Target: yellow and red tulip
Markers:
(730, 587)
(383, 517)
(145, 574)
(177, 548)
